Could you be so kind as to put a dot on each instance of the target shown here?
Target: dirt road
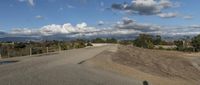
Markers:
(104, 65)
(65, 68)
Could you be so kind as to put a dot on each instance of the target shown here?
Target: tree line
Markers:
(150, 41)
(13, 49)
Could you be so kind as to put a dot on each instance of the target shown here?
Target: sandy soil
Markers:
(156, 66)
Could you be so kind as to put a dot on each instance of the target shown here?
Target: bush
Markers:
(19, 45)
(145, 41)
(126, 42)
(89, 44)
(161, 48)
(196, 43)
(157, 40)
(37, 51)
(111, 40)
(98, 40)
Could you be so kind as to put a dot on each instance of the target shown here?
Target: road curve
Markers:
(60, 69)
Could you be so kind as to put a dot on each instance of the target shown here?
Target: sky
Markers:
(72, 18)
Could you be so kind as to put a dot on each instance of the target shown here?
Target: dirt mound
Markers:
(169, 64)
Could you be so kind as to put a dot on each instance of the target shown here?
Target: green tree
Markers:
(179, 45)
(98, 40)
(20, 45)
(111, 40)
(196, 43)
(157, 40)
(126, 42)
(145, 41)
(89, 44)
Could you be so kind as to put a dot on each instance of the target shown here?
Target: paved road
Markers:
(60, 69)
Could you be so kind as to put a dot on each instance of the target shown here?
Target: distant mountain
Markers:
(2, 33)
(62, 37)
(18, 39)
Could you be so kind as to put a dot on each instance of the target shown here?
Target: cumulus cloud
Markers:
(22, 31)
(144, 7)
(132, 24)
(68, 30)
(100, 23)
(128, 25)
(167, 15)
(55, 29)
(126, 28)
(165, 4)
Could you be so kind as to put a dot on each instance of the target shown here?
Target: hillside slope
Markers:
(158, 67)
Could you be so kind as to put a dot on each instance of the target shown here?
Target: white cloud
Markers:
(145, 7)
(100, 23)
(55, 29)
(132, 24)
(165, 4)
(188, 17)
(31, 2)
(39, 17)
(167, 15)
(126, 28)
(52, 29)
(82, 25)
(23, 31)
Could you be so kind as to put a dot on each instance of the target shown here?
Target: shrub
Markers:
(98, 40)
(145, 41)
(196, 43)
(89, 44)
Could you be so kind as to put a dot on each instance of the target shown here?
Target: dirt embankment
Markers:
(156, 66)
(168, 64)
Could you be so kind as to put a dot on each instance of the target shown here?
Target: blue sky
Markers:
(31, 15)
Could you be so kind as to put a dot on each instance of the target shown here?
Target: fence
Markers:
(7, 53)
(24, 49)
